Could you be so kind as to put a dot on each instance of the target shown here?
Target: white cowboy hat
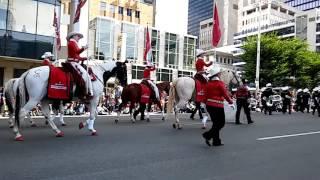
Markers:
(214, 71)
(70, 35)
(299, 90)
(285, 88)
(315, 89)
(200, 52)
(47, 54)
(306, 90)
(269, 85)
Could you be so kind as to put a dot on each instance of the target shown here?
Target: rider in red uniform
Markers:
(146, 76)
(47, 59)
(74, 59)
(200, 64)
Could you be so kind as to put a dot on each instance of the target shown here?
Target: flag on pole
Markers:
(78, 11)
(216, 33)
(148, 51)
(56, 24)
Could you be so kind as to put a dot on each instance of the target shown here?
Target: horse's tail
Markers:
(172, 97)
(21, 97)
(9, 95)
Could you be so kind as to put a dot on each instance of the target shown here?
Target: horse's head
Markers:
(230, 78)
(117, 69)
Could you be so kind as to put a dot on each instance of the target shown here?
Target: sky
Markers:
(172, 16)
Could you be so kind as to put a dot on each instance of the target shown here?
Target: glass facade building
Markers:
(26, 29)
(198, 11)
(303, 5)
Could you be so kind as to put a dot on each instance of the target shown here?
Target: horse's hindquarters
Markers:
(36, 82)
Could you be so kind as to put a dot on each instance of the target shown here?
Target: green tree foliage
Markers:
(283, 62)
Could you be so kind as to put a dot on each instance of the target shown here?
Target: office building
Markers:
(303, 5)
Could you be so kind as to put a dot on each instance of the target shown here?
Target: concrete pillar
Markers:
(123, 47)
(140, 42)
(116, 41)
(162, 48)
(129, 73)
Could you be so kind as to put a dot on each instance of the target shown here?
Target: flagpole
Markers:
(55, 33)
(88, 36)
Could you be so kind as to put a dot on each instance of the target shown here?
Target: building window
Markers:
(185, 74)
(137, 14)
(189, 47)
(318, 27)
(45, 12)
(104, 39)
(103, 8)
(137, 72)
(23, 16)
(129, 12)
(3, 14)
(155, 45)
(318, 49)
(318, 38)
(120, 10)
(171, 50)
(18, 72)
(1, 76)
(131, 45)
(164, 74)
(112, 9)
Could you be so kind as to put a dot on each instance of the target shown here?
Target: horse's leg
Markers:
(61, 114)
(119, 110)
(177, 122)
(92, 117)
(46, 111)
(162, 109)
(21, 115)
(11, 123)
(132, 106)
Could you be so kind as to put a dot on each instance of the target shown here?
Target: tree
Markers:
(282, 62)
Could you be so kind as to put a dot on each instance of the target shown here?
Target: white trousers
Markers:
(85, 76)
(155, 89)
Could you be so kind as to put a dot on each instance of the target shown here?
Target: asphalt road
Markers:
(155, 151)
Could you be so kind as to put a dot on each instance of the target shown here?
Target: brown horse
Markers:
(132, 93)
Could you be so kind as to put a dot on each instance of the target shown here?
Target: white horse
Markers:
(34, 84)
(183, 90)
(10, 90)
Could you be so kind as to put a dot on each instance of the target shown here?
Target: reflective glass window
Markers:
(3, 14)
(45, 19)
(20, 44)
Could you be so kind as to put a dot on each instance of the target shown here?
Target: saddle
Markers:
(146, 83)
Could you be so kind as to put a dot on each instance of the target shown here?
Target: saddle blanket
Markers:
(145, 94)
(200, 91)
(59, 84)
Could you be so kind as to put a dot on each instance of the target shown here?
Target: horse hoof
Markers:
(19, 138)
(33, 125)
(179, 127)
(63, 124)
(60, 134)
(11, 126)
(116, 121)
(81, 125)
(94, 134)
(163, 119)
(174, 126)
(148, 120)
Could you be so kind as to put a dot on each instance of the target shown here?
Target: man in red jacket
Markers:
(146, 76)
(74, 59)
(200, 64)
(47, 59)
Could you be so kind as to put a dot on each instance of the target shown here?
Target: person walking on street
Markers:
(215, 96)
(243, 96)
(286, 100)
(305, 100)
(265, 98)
(315, 99)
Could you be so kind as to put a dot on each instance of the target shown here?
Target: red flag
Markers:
(216, 33)
(56, 24)
(78, 11)
(148, 52)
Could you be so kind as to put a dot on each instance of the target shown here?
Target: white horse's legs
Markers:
(176, 115)
(33, 124)
(61, 109)
(46, 111)
(205, 117)
(92, 117)
(148, 116)
(22, 113)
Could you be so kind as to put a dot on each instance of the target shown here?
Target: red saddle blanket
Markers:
(200, 91)
(59, 84)
(145, 94)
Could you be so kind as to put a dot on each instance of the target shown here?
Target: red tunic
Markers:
(216, 94)
(46, 62)
(200, 64)
(147, 72)
(74, 51)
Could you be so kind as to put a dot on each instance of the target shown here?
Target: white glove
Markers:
(232, 106)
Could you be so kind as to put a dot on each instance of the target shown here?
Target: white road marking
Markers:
(288, 135)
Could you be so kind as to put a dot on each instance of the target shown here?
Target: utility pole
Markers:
(257, 80)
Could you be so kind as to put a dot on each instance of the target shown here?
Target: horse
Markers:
(10, 90)
(34, 83)
(183, 90)
(132, 93)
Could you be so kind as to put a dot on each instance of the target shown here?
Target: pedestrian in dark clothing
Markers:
(243, 96)
(305, 100)
(286, 100)
(299, 100)
(216, 93)
(316, 99)
(265, 97)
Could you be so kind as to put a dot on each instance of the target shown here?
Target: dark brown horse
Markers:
(132, 93)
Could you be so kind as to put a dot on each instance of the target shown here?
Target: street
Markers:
(157, 151)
